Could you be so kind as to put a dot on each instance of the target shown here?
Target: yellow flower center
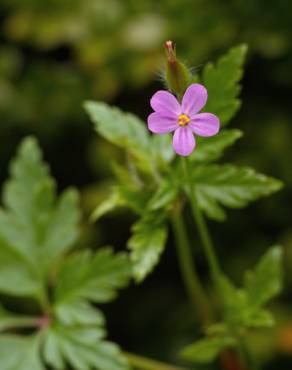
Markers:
(183, 119)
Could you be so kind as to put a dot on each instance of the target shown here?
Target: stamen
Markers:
(183, 119)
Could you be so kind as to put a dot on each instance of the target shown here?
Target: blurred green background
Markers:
(54, 54)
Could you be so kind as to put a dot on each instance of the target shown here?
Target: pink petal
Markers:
(183, 141)
(205, 124)
(165, 103)
(194, 99)
(160, 124)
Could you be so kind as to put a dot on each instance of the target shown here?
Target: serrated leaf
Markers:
(93, 276)
(62, 229)
(147, 243)
(212, 148)
(149, 233)
(20, 353)
(107, 205)
(243, 308)
(231, 186)
(164, 196)
(206, 350)
(79, 313)
(17, 276)
(124, 130)
(122, 196)
(34, 226)
(82, 348)
(221, 81)
(265, 281)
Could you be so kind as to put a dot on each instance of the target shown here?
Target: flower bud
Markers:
(177, 75)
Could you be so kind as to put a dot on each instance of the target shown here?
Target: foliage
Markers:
(243, 308)
(37, 233)
(215, 184)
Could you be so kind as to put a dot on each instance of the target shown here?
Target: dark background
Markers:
(54, 54)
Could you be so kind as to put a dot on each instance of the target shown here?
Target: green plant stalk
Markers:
(205, 237)
(19, 322)
(209, 250)
(143, 363)
(189, 274)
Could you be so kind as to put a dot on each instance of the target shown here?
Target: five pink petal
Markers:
(166, 113)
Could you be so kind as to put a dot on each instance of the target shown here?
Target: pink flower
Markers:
(169, 115)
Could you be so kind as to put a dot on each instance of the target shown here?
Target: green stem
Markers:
(205, 237)
(246, 355)
(19, 322)
(143, 363)
(209, 249)
(188, 271)
(44, 302)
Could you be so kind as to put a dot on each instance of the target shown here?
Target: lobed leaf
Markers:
(17, 276)
(149, 233)
(222, 83)
(265, 281)
(92, 276)
(230, 186)
(35, 228)
(20, 353)
(83, 348)
(244, 307)
(207, 349)
(212, 148)
(147, 244)
(124, 130)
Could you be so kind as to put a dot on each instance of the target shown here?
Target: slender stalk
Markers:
(189, 274)
(210, 253)
(143, 363)
(18, 323)
(246, 355)
(201, 225)
(43, 299)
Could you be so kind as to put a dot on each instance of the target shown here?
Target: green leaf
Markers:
(125, 195)
(149, 233)
(124, 130)
(212, 148)
(161, 146)
(62, 229)
(20, 353)
(260, 318)
(83, 348)
(221, 81)
(92, 276)
(147, 243)
(109, 204)
(164, 196)
(235, 303)
(79, 313)
(206, 350)
(265, 281)
(230, 186)
(35, 228)
(243, 308)
(239, 311)
(17, 277)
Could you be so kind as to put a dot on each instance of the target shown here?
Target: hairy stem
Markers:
(143, 363)
(189, 274)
